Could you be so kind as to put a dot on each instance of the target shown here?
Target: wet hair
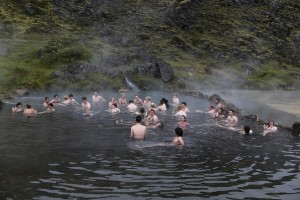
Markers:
(28, 106)
(46, 98)
(184, 103)
(83, 98)
(151, 110)
(212, 107)
(56, 95)
(270, 122)
(183, 117)
(70, 95)
(142, 110)
(247, 129)
(179, 107)
(165, 102)
(161, 102)
(19, 103)
(115, 104)
(138, 119)
(179, 132)
(130, 101)
(50, 104)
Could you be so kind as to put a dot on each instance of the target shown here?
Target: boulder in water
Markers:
(296, 128)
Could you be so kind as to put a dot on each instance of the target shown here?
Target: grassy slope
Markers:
(203, 53)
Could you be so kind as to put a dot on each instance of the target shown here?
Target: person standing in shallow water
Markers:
(269, 128)
(152, 120)
(29, 111)
(178, 140)
(218, 104)
(182, 122)
(86, 106)
(231, 119)
(138, 131)
(17, 108)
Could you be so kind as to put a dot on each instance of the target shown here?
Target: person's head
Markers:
(211, 107)
(19, 104)
(152, 112)
(50, 105)
(217, 100)
(180, 107)
(137, 97)
(174, 95)
(46, 99)
(130, 101)
(71, 96)
(183, 104)
(66, 98)
(55, 96)
(95, 93)
(161, 102)
(138, 119)
(84, 99)
(123, 95)
(182, 118)
(165, 101)
(271, 123)
(148, 98)
(220, 110)
(115, 105)
(113, 99)
(230, 113)
(28, 106)
(142, 110)
(179, 132)
(247, 130)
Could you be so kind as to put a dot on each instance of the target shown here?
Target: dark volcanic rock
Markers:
(184, 14)
(195, 94)
(166, 71)
(80, 70)
(148, 69)
(297, 39)
(32, 9)
(227, 105)
(142, 54)
(296, 129)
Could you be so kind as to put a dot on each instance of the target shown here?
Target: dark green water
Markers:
(66, 156)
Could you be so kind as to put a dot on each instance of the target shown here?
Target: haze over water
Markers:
(66, 156)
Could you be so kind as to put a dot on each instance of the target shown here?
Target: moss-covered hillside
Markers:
(173, 44)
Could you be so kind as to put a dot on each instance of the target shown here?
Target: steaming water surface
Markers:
(282, 106)
(66, 156)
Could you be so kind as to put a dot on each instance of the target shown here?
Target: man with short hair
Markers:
(138, 131)
(131, 106)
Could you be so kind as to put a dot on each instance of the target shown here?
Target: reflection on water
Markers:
(66, 156)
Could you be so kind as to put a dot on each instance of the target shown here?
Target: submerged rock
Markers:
(296, 129)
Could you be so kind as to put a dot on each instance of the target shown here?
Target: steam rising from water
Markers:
(281, 106)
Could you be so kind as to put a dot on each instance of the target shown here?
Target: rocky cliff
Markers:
(173, 44)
